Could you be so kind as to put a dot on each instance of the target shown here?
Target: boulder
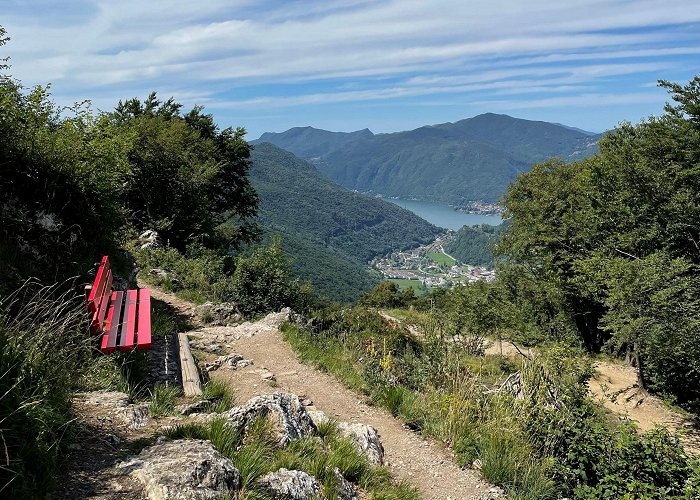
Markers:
(365, 437)
(149, 239)
(159, 273)
(275, 320)
(288, 416)
(196, 407)
(183, 469)
(232, 361)
(224, 314)
(115, 405)
(344, 489)
(290, 485)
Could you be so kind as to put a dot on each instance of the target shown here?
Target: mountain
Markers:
(329, 231)
(309, 142)
(456, 163)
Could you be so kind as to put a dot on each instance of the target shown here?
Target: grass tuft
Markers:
(43, 346)
(220, 394)
(163, 399)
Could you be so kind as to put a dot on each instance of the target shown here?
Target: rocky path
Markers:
(425, 464)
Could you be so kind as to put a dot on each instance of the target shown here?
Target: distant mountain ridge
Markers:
(468, 160)
(329, 231)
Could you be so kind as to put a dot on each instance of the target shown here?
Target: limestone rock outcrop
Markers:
(116, 406)
(288, 416)
(344, 488)
(183, 469)
(287, 484)
(365, 437)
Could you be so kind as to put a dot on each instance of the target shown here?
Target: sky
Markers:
(351, 64)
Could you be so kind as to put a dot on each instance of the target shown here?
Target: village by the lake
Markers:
(429, 266)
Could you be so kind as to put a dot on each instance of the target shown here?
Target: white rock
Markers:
(290, 485)
(365, 437)
(183, 469)
(288, 415)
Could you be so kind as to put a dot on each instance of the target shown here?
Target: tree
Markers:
(189, 179)
(61, 182)
(388, 294)
(615, 239)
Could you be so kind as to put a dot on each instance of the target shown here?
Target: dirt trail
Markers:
(423, 463)
(614, 387)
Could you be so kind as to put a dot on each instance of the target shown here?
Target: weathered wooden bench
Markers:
(121, 318)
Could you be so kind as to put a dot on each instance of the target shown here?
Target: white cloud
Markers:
(199, 51)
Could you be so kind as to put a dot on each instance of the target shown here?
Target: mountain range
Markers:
(456, 163)
(329, 231)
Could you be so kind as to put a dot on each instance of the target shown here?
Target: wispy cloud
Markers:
(274, 54)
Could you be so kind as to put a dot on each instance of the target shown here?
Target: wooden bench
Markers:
(121, 318)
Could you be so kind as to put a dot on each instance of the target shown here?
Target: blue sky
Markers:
(350, 64)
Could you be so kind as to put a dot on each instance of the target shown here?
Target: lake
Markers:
(444, 215)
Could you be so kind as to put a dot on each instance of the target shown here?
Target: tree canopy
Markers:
(188, 177)
(612, 242)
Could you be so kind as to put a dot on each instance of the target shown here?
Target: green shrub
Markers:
(263, 283)
(387, 294)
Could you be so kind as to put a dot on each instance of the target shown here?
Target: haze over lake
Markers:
(444, 215)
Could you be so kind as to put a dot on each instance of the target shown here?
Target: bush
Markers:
(263, 283)
(388, 294)
(259, 283)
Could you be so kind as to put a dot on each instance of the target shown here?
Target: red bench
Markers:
(121, 318)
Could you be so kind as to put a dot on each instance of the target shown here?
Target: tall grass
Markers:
(220, 394)
(163, 399)
(44, 344)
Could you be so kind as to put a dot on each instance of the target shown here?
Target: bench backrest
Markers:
(98, 296)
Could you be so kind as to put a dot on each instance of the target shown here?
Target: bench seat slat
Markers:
(128, 331)
(143, 334)
(113, 327)
(104, 339)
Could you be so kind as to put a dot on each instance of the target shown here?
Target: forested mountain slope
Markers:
(469, 160)
(473, 245)
(329, 232)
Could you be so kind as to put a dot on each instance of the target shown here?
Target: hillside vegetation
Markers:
(329, 232)
(469, 160)
(473, 245)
